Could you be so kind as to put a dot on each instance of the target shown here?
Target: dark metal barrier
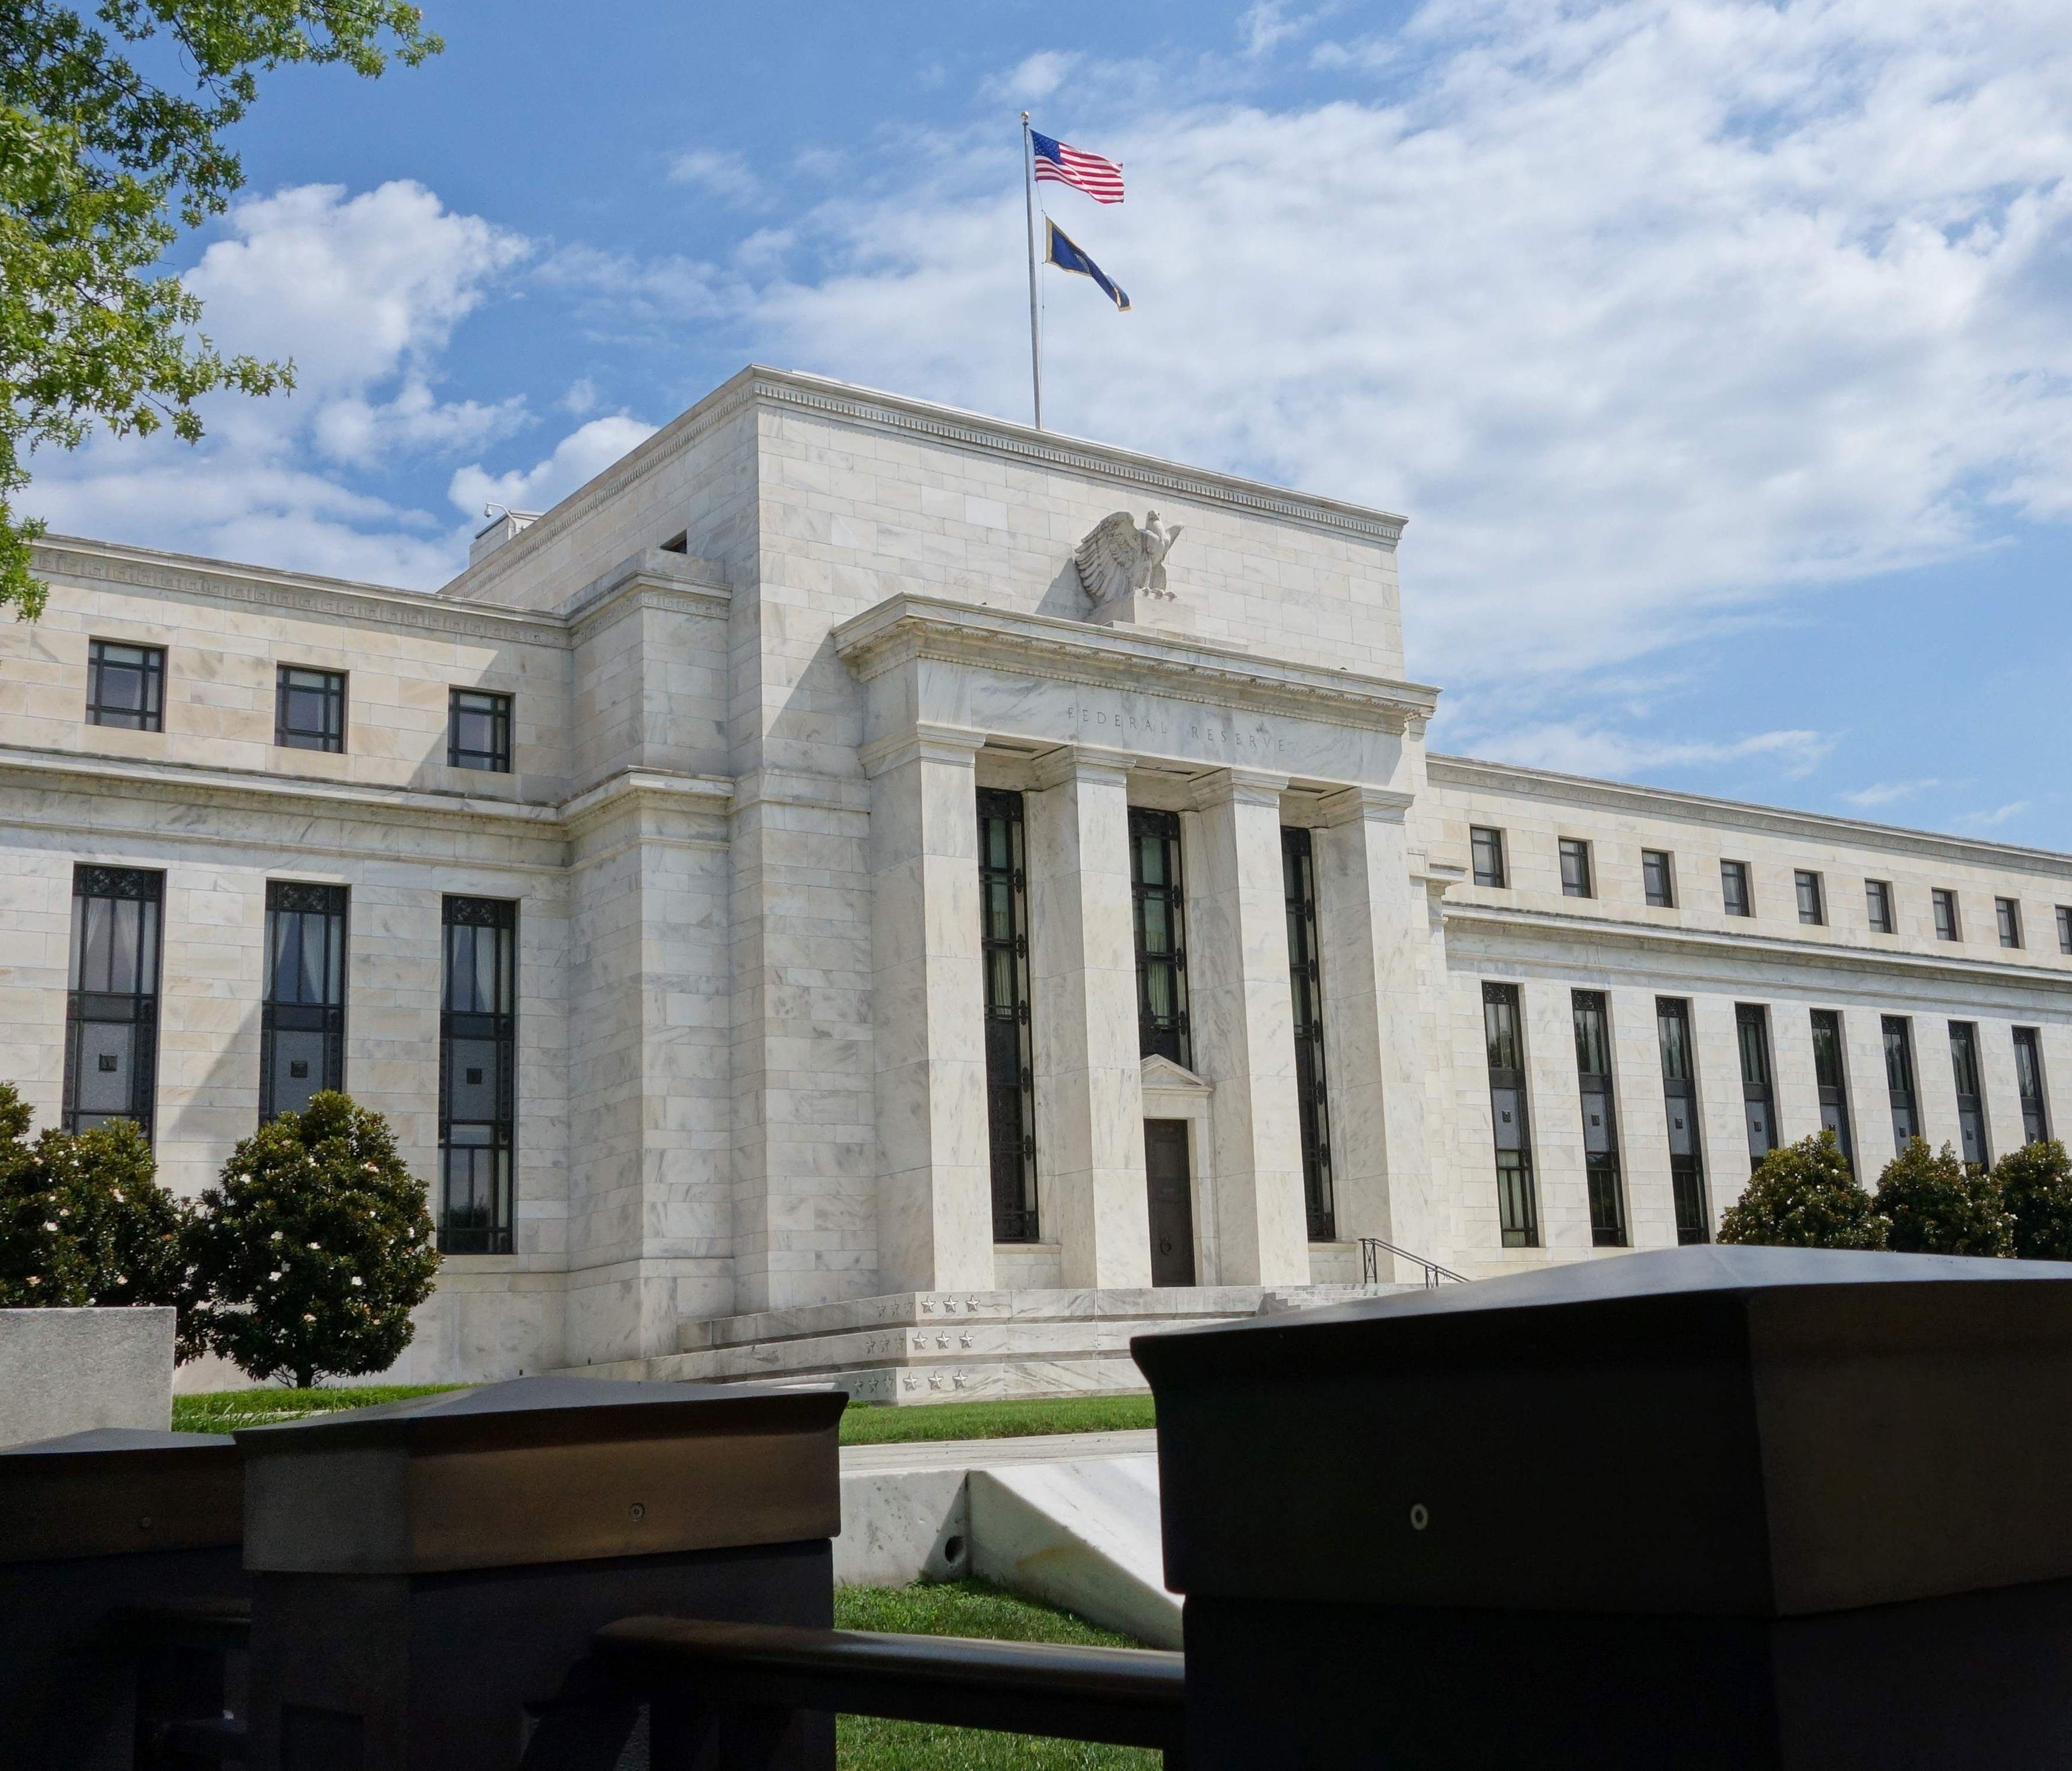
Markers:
(717, 1692)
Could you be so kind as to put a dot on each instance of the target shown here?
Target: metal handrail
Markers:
(1122, 1696)
(1371, 1248)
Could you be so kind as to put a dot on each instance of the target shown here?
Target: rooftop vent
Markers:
(503, 524)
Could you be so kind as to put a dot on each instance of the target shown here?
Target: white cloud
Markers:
(581, 398)
(581, 455)
(726, 176)
(1886, 793)
(1035, 77)
(1598, 750)
(1993, 820)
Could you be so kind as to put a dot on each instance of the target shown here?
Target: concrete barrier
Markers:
(68, 1370)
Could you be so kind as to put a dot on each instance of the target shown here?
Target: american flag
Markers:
(1062, 164)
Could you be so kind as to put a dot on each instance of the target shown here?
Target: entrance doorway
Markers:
(1171, 1187)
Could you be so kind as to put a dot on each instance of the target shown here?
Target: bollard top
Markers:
(1705, 1431)
(542, 1470)
(118, 1491)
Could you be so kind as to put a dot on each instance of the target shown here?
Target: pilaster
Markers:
(1243, 1023)
(1082, 979)
(935, 1213)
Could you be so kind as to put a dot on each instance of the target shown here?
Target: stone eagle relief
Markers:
(1117, 559)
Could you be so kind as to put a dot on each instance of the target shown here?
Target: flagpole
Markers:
(1029, 228)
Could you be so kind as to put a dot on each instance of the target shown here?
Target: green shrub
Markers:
(2036, 1191)
(1939, 1205)
(315, 1247)
(1804, 1196)
(83, 1219)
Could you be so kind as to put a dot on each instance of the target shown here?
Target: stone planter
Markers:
(64, 1371)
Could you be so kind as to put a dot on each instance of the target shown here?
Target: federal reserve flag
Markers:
(1068, 256)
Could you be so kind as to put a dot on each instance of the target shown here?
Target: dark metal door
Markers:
(1171, 1202)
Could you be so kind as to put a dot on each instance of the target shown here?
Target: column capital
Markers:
(924, 743)
(1240, 786)
(1082, 762)
(1384, 805)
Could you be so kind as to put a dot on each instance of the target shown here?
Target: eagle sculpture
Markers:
(1117, 557)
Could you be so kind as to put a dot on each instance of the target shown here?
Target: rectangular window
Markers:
(478, 731)
(1575, 869)
(478, 1075)
(1679, 1098)
(1600, 1152)
(2029, 1080)
(1899, 1081)
(1946, 927)
(2065, 928)
(309, 709)
(1162, 950)
(1877, 899)
(126, 686)
(1657, 878)
(1752, 1029)
(1970, 1097)
(1486, 849)
(302, 1020)
(1518, 1216)
(2007, 914)
(1830, 1076)
(1734, 894)
(1811, 907)
(1306, 992)
(111, 1068)
(1009, 1060)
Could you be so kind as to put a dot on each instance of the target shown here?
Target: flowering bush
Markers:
(2036, 1187)
(1804, 1196)
(83, 1219)
(1940, 1206)
(314, 1248)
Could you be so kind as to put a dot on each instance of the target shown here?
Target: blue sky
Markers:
(1718, 353)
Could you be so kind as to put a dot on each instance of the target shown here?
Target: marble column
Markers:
(1373, 928)
(935, 1190)
(1243, 1026)
(1082, 984)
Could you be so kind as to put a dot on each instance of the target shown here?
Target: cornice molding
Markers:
(1719, 942)
(1663, 801)
(702, 795)
(653, 578)
(906, 627)
(146, 568)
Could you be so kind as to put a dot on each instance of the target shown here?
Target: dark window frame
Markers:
(1967, 1069)
(1590, 1015)
(1758, 1069)
(1580, 880)
(1679, 1104)
(1487, 838)
(1901, 1087)
(2029, 1084)
(286, 1009)
(2007, 919)
(1657, 878)
(127, 993)
(1878, 906)
(1811, 891)
(1735, 881)
(497, 758)
(491, 1186)
(149, 715)
(1160, 1031)
(1949, 924)
(1010, 1065)
(1831, 1078)
(1503, 1038)
(328, 736)
(1305, 978)
(2065, 928)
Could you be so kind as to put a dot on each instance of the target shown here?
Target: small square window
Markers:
(1734, 888)
(108, 1062)
(1811, 907)
(1945, 903)
(478, 731)
(309, 711)
(1485, 850)
(1877, 899)
(126, 686)
(1575, 869)
(1657, 878)
(2008, 913)
(2065, 928)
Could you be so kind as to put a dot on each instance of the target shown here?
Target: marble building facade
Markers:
(806, 910)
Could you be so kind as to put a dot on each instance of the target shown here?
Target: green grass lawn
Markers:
(967, 1608)
(225, 1411)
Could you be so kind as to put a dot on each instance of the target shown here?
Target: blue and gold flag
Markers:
(1068, 256)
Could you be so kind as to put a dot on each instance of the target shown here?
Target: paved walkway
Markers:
(1055, 1447)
